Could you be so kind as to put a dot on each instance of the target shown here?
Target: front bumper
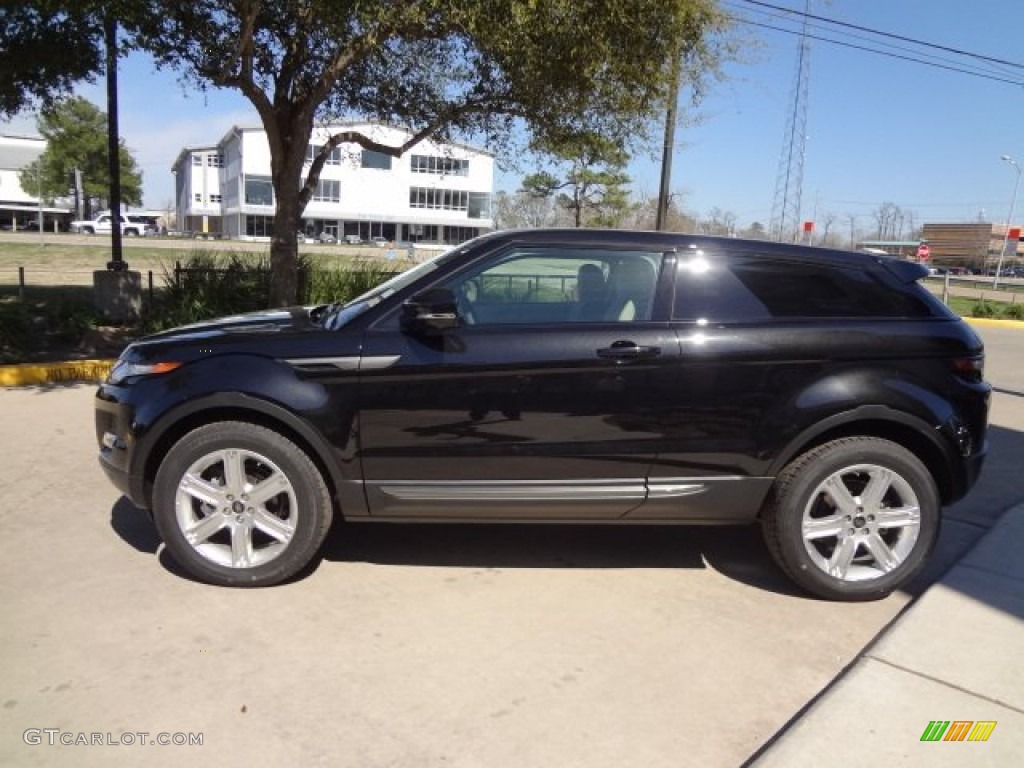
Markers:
(114, 435)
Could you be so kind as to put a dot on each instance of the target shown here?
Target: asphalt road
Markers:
(414, 646)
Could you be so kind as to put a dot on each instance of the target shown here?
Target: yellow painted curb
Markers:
(995, 323)
(28, 374)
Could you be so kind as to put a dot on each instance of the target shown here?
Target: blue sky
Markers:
(879, 129)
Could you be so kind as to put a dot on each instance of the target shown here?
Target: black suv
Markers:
(575, 376)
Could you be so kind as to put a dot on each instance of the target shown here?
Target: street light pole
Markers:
(1009, 221)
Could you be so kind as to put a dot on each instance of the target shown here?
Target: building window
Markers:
(312, 150)
(479, 205)
(443, 199)
(215, 161)
(259, 226)
(197, 159)
(377, 160)
(215, 198)
(457, 235)
(327, 191)
(259, 190)
(197, 197)
(445, 166)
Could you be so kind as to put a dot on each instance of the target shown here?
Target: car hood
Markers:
(226, 334)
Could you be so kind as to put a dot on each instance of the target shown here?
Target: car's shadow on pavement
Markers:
(135, 527)
(736, 552)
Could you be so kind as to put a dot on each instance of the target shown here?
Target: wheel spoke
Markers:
(198, 488)
(840, 561)
(234, 471)
(823, 527)
(884, 557)
(840, 494)
(204, 529)
(241, 546)
(268, 489)
(877, 487)
(273, 526)
(899, 517)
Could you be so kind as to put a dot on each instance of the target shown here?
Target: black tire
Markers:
(88, 230)
(845, 544)
(238, 539)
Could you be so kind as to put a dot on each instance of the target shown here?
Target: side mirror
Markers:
(433, 311)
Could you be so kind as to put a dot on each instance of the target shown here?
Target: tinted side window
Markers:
(740, 288)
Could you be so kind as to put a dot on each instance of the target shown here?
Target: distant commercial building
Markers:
(436, 192)
(20, 208)
(974, 245)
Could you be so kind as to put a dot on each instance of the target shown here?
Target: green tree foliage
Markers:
(76, 135)
(46, 48)
(590, 181)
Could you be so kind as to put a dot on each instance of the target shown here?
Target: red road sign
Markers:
(808, 226)
(924, 252)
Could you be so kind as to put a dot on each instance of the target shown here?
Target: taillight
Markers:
(970, 368)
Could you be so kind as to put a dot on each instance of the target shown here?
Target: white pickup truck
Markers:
(103, 225)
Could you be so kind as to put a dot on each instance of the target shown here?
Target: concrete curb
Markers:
(33, 374)
(992, 322)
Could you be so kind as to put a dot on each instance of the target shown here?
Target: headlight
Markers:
(124, 369)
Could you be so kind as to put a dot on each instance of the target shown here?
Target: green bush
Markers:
(983, 308)
(210, 284)
(1014, 312)
(324, 284)
(213, 284)
(47, 317)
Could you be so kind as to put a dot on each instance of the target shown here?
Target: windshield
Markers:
(339, 315)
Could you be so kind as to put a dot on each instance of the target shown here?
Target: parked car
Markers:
(327, 237)
(380, 242)
(353, 239)
(577, 376)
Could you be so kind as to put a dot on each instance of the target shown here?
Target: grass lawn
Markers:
(73, 262)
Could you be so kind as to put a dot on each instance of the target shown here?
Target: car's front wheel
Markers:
(853, 519)
(240, 505)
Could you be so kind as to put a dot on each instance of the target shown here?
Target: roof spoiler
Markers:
(905, 271)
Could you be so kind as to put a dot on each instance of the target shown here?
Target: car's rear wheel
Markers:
(240, 505)
(853, 519)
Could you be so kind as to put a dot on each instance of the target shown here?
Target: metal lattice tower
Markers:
(789, 182)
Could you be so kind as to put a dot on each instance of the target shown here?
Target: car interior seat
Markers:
(591, 293)
(631, 291)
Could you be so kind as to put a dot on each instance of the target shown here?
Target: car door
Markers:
(544, 401)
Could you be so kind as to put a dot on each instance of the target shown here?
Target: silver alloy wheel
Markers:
(861, 522)
(236, 508)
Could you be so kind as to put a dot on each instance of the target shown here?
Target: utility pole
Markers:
(116, 263)
(117, 291)
(661, 217)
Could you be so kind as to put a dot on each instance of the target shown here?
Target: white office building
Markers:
(20, 208)
(433, 193)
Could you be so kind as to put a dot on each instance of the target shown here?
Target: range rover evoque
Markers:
(577, 376)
